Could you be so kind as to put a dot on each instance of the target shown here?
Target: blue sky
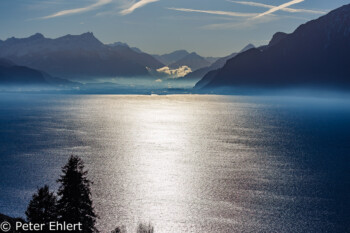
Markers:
(209, 27)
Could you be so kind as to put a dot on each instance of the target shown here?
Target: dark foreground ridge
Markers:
(315, 54)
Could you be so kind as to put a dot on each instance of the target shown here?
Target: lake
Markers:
(185, 163)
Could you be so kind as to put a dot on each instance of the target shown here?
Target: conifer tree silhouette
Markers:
(42, 208)
(75, 204)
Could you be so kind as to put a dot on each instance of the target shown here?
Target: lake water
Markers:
(186, 163)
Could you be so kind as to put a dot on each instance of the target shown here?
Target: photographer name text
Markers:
(51, 226)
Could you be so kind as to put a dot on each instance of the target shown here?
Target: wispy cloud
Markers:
(291, 10)
(136, 5)
(250, 20)
(99, 3)
(246, 24)
(280, 7)
(226, 13)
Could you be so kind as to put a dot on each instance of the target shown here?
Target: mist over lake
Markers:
(186, 163)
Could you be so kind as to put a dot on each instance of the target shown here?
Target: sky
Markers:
(208, 27)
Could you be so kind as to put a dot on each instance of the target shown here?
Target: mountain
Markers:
(117, 44)
(192, 60)
(137, 50)
(12, 74)
(211, 60)
(315, 54)
(77, 56)
(170, 58)
(219, 63)
(246, 48)
(198, 74)
(277, 37)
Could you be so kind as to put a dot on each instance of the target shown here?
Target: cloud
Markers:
(137, 5)
(242, 25)
(291, 10)
(99, 3)
(252, 19)
(175, 73)
(280, 7)
(226, 13)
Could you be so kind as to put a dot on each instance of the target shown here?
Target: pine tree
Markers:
(121, 229)
(75, 204)
(145, 228)
(42, 207)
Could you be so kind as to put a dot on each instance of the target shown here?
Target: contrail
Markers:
(227, 13)
(137, 5)
(79, 10)
(280, 7)
(291, 10)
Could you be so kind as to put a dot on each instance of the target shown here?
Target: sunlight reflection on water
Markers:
(185, 163)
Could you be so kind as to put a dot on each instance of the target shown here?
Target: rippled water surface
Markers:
(186, 163)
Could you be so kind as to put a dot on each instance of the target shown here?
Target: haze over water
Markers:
(186, 163)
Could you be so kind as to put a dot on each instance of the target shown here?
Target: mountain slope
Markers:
(77, 55)
(170, 58)
(192, 60)
(12, 74)
(198, 74)
(316, 53)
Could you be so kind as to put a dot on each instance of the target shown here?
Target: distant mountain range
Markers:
(77, 56)
(170, 58)
(12, 74)
(192, 60)
(117, 44)
(315, 54)
(181, 58)
(219, 63)
(84, 57)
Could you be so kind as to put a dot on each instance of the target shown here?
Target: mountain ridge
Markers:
(192, 60)
(219, 63)
(12, 74)
(316, 53)
(172, 57)
(77, 55)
